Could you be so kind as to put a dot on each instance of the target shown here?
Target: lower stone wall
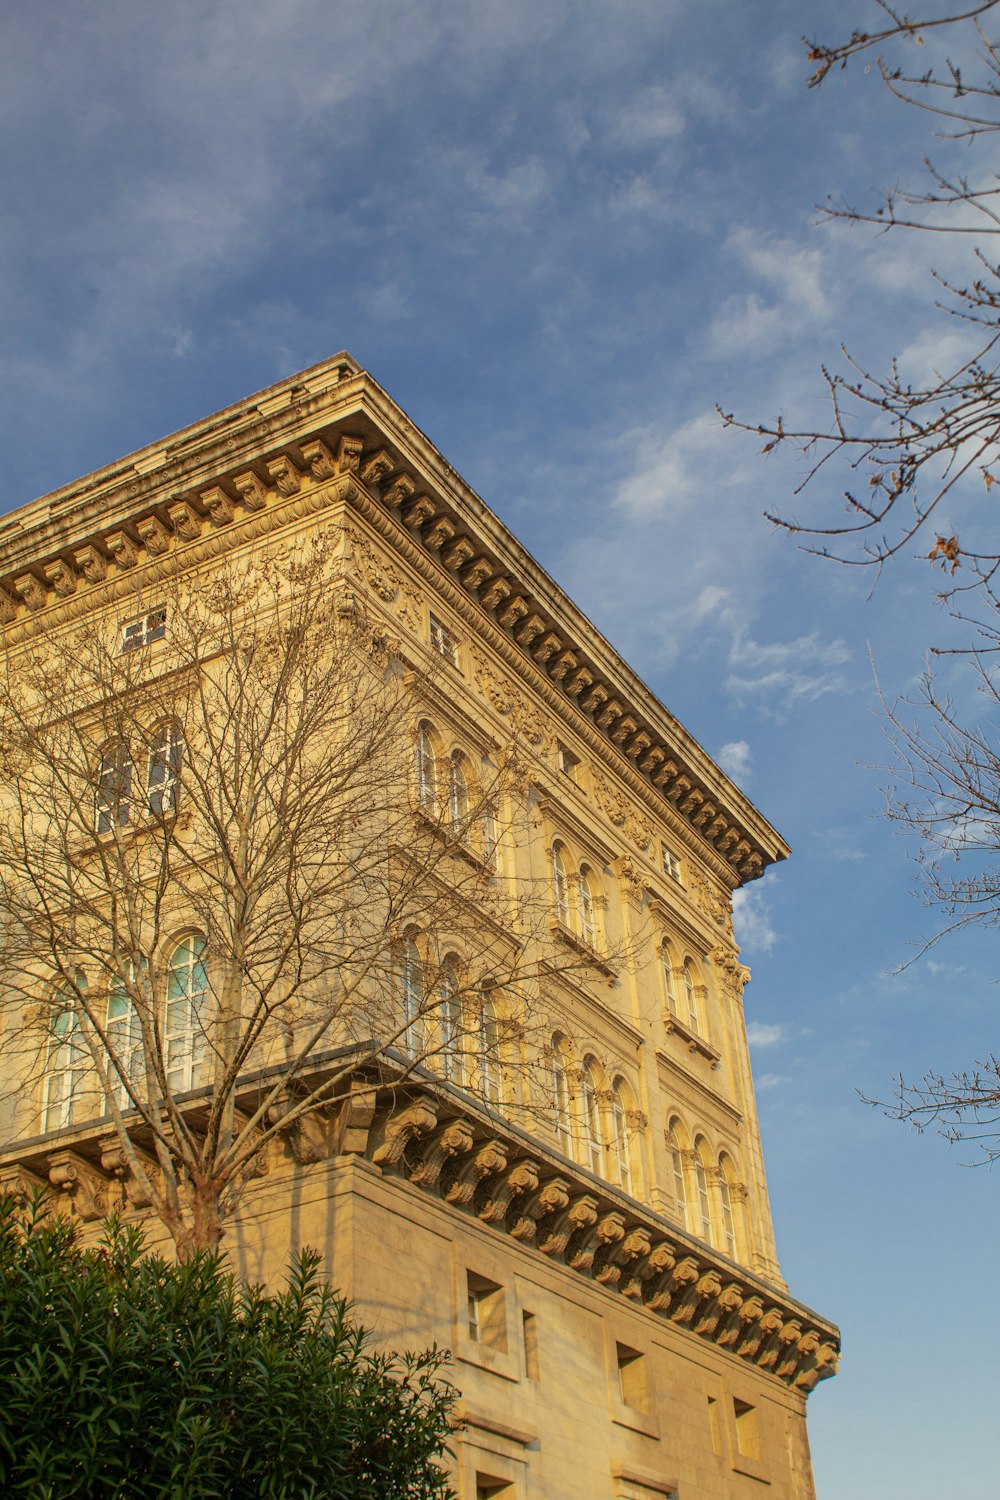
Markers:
(568, 1391)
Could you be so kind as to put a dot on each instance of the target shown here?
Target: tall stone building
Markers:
(592, 1239)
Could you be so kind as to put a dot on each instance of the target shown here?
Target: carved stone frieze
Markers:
(461, 1178)
(495, 1198)
(185, 520)
(455, 1138)
(154, 535)
(415, 1120)
(62, 578)
(78, 1184)
(548, 1200)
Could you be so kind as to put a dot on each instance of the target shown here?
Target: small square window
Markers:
(747, 1430)
(443, 642)
(486, 1313)
(671, 864)
(147, 628)
(488, 1487)
(569, 764)
(632, 1385)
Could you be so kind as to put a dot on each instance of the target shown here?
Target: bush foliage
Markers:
(124, 1375)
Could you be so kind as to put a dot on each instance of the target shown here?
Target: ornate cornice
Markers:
(332, 433)
(446, 1145)
(456, 1153)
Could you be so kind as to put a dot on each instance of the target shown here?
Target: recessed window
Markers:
(443, 641)
(66, 1062)
(569, 764)
(529, 1335)
(485, 1312)
(184, 1039)
(164, 769)
(149, 627)
(633, 1389)
(114, 789)
(714, 1427)
(670, 863)
(490, 1488)
(747, 1430)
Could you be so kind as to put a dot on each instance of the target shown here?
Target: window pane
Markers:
(186, 1015)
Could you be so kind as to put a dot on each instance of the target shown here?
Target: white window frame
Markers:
(443, 641)
(123, 1029)
(587, 908)
(670, 864)
(560, 886)
(145, 629)
(166, 756)
(426, 769)
(459, 799)
(413, 994)
(113, 793)
(184, 1044)
(66, 1062)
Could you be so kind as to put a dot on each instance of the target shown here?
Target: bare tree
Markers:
(223, 845)
(946, 795)
(909, 450)
(911, 445)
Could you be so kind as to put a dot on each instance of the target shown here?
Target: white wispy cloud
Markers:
(771, 1081)
(793, 288)
(780, 674)
(760, 1034)
(736, 759)
(752, 920)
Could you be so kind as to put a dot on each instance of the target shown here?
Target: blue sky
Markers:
(558, 232)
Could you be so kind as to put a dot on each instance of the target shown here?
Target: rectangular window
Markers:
(443, 642)
(488, 1487)
(747, 1430)
(151, 626)
(569, 764)
(632, 1385)
(671, 864)
(713, 1426)
(487, 1318)
(529, 1329)
(114, 789)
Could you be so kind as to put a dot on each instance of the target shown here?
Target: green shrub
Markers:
(124, 1375)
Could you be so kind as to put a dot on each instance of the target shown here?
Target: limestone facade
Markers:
(604, 1270)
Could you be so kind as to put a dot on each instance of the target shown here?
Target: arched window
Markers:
(561, 1103)
(65, 1068)
(667, 973)
(592, 1145)
(726, 1199)
(704, 1197)
(620, 1141)
(488, 1050)
(588, 918)
(677, 1166)
(691, 996)
(426, 769)
(413, 994)
(458, 790)
(450, 1022)
(184, 1041)
(113, 801)
(560, 885)
(164, 770)
(126, 1062)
